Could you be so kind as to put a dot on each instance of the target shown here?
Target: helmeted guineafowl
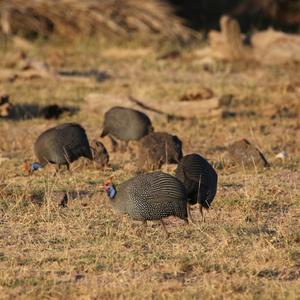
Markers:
(61, 145)
(158, 148)
(126, 124)
(244, 154)
(150, 196)
(200, 180)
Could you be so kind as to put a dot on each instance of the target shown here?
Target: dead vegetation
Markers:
(77, 19)
(267, 47)
(249, 246)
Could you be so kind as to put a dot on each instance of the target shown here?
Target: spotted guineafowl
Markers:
(61, 145)
(200, 180)
(126, 124)
(158, 148)
(150, 196)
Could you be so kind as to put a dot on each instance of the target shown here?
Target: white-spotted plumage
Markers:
(151, 196)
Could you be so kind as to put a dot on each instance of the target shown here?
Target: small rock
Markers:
(242, 152)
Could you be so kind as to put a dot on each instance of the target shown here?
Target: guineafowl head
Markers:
(35, 166)
(30, 168)
(110, 189)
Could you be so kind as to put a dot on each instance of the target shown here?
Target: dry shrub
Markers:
(267, 47)
(75, 18)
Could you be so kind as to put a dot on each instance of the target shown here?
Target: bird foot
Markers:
(165, 228)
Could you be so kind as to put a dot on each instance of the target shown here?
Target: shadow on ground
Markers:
(31, 111)
(93, 73)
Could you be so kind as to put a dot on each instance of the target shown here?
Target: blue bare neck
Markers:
(35, 166)
(112, 192)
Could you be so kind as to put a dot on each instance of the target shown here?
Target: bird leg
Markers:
(190, 214)
(142, 231)
(124, 146)
(144, 226)
(201, 212)
(56, 168)
(164, 228)
(68, 168)
(114, 144)
(198, 200)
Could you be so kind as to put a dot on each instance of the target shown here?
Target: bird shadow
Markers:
(94, 73)
(60, 199)
(32, 111)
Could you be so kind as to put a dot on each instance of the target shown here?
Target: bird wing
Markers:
(47, 150)
(200, 178)
(160, 187)
(75, 144)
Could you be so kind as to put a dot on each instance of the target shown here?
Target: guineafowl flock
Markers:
(149, 195)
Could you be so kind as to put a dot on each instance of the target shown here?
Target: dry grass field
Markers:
(249, 246)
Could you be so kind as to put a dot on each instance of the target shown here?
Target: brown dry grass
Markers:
(247, 249)
(75, 19)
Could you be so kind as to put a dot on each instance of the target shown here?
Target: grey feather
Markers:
(126, 124)
(62, 144)
(151, 196)
(192, 169)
